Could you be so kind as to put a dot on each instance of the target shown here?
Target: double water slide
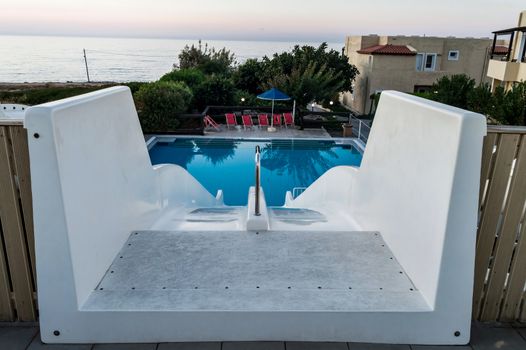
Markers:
(127, 252)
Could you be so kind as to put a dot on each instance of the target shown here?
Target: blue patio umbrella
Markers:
(273, 95)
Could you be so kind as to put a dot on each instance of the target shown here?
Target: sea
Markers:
(61, 59)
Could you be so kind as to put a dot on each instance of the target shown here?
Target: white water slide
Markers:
(127, 252)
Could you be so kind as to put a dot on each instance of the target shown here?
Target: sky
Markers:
(287, 20)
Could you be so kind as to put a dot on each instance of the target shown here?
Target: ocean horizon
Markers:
(61, 59)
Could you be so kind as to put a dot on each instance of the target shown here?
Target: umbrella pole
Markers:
(294, 113)
(272, 128)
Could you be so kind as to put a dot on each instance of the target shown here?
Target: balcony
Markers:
(506, 70)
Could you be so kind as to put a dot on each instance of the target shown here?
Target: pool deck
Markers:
(484, 337)
(282, 133)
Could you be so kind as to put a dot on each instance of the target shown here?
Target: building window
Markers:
(420, 62)
(453, 55)
(430, 61)
(426, 61)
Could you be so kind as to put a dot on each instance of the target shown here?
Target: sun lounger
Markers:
(247, 121)
(288, 119)
(230, 120)
(210, 123)
(277, 120)
(263, 120)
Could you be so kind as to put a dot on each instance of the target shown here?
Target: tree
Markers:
(159, 103)
(306, 84)
(208, 61)
(216, 90)
(453, 90)
(509, 107)
(480, 99)
(502, 106)
(192, 77)
(308, 73)
(248, 76)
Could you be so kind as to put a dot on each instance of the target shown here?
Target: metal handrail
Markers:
(258, 168)
(296, 191)
(361, 125)
(506, 129)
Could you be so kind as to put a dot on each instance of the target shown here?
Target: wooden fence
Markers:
(17, 252)
(500, 275)
(500, 265)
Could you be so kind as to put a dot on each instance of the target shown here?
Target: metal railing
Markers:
(360, 128)
(296, 191)
(258, 180)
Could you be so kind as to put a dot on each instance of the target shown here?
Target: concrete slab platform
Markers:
(486, 337)
(369, 346)
(37, 344)
(315, 346)
(124, 347)
(304, 271)
(16, 337)
(189, 346)
(253, 346)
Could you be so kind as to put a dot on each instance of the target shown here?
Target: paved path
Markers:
(484, 337)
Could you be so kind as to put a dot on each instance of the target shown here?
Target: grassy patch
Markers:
(34, 94)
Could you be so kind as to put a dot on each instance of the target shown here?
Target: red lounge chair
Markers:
(210, 123)
(263, 120)
(277, 120)
(230, 120)
(247, 121)
(289, 121)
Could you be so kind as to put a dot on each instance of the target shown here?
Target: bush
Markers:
(38, 95)
(159, 103)
(209, 61)
(248, 76)
(453, 90)
(216, 90)
(501, 106)
(309, 74)
(192, 77)
(509, 107)
(135, 85)
(480, 99)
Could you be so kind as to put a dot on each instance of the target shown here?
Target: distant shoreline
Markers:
(47, 85)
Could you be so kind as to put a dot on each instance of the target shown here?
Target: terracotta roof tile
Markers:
(501, 50)
(388, 50)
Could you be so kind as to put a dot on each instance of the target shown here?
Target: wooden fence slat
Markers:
(486, 236)
(6, 309)
(21, 160)
(506, 238)
(487, 156)
(18, 260)
(516, 282)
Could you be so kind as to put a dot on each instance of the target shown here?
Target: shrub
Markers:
(135, 85)
(480, 99)
(216, 90)
(248, 76)
(209, 61)
(453, 90)
(310, 73)
(159, 103)
(192, 77)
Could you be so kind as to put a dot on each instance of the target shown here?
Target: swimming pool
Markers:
(228, 164)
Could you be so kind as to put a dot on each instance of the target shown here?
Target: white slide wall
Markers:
(418, 186)
(93, 184)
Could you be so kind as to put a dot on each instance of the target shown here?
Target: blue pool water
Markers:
(228, 164)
